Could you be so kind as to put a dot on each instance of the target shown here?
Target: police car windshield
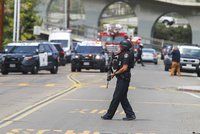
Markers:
(24, 49)
(89, 49)
(190, 52)
(118, 39)
(64, 43)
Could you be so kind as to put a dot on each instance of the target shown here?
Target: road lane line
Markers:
(35, 107)
(192, 94)
(50, 85)
(23, 84)
(94, 111)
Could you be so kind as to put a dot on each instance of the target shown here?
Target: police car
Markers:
(89, 55)
(30, 57)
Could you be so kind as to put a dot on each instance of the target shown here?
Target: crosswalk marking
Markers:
(50, 85)
(69, 131)
(102, 112)
(43, 131)
(94, 111)
(23, 84)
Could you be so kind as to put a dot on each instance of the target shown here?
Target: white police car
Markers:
(29, 57)
(89, 55)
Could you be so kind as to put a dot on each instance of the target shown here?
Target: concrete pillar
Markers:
(146, 19)
(194, 23)
(93, 12)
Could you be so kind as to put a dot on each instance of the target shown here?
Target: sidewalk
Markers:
(195, 89)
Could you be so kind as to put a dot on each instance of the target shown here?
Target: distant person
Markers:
(176, 56)
(139, 54)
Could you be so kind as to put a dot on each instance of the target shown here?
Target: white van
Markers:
(64, 38)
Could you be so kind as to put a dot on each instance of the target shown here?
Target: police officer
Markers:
(123, 79)
(139, 54)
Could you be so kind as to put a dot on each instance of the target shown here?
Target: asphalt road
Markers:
(70, 103)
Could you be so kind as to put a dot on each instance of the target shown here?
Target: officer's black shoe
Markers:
(129, 118)
(105, 117)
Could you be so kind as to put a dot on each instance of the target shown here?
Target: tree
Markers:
(178, 34)
(28, 19)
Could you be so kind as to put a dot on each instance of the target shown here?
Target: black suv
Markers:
(89, 55)
(30, 57)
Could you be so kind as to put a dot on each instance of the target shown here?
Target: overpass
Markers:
(147, 11)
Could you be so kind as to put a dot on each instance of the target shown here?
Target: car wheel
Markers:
(24, 72)
(102, 70)
(4, 71)
(73, 69)
(54, 70)
(198, 74)
(34, 69)
(78, 69)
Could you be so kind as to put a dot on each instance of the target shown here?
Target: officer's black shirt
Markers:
(124, 59)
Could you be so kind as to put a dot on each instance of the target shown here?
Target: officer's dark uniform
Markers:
(121, 90)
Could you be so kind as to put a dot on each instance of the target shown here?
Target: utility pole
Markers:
(16, 25)
(1, 23)
(68, 13)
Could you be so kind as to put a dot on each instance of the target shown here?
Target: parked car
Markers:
(89, 55)
(190, 59)
(167, 20)
(62, 60)
(150, 55)
(30, 57)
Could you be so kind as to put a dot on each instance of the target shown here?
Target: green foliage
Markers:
(176, 34)
(28, 19)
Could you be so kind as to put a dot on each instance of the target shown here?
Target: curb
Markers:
(194, 89)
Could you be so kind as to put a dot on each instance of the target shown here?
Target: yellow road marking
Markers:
(33, 108)
(102, 112)
(94, 111)
(43, 131)
(70, 132)
(50, 85)
(59, 131)
(131, 88)
(23, 84)
(103, 86)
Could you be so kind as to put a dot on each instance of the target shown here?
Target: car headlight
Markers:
(3, 59)
(27, 58)
(98, 57)
(76, 56)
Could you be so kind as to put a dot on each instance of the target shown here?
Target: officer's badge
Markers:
(125, 55)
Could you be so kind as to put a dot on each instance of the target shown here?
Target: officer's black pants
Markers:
(120, 96)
